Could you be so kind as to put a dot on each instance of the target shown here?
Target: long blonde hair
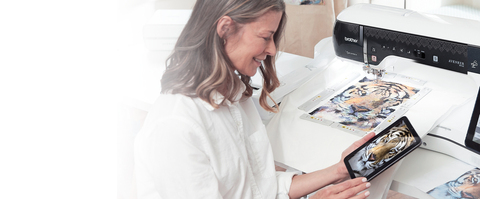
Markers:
(199, 64)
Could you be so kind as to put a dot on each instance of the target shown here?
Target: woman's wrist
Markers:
(341, 172)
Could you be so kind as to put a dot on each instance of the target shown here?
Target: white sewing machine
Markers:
(448, 43)
(372, 40)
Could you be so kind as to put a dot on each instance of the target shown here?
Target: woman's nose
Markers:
(271, 49)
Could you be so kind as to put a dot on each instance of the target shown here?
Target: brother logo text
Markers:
(351, 40)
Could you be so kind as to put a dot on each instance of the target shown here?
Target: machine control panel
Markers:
(373, 44)
(425, 50)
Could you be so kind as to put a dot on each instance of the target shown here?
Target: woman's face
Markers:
(253, 42)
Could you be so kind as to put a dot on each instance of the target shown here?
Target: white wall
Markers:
(175, 4)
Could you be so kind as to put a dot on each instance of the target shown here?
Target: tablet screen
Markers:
(472, 140)
(476, 136)
(383, 150)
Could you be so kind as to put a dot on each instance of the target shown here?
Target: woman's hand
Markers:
(308, 183)
(341, 168)
(348, 189)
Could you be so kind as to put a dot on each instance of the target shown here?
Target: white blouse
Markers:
(188, 149)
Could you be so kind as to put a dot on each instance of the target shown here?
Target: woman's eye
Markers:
(474, 180)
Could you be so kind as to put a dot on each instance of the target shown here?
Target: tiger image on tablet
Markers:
(381, 150)
(465, 186)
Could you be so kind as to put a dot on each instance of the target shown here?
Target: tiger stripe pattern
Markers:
(382, 150)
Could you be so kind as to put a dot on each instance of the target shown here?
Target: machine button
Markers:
(418, 53)
(374, 58)
(402, 50)
(435, 58)
(422, 55)
(374, 50)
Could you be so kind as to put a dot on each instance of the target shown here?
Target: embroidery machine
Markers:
(448, 43)
(373, 41)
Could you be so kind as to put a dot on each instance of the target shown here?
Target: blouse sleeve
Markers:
(284, 180)
(176, 163)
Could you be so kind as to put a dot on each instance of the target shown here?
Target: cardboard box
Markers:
(308, 24)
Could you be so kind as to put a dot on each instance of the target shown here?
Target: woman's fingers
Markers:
(350, 188)
(364, 139)
(362, 195)
(357, 144)
(354, 188)
(354, 192)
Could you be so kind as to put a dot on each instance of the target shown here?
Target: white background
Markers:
(58, 99)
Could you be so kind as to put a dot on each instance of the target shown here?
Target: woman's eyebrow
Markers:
(269, 31)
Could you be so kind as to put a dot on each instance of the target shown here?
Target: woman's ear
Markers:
(224, 24)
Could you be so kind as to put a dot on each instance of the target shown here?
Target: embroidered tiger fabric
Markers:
(465, 186)
(366, 104)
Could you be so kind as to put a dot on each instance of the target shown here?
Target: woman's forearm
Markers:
(310, 182)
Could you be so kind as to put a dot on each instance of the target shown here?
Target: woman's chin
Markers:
(250, 74)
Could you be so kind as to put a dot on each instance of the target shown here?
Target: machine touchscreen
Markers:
(472, 140)
(383, 150)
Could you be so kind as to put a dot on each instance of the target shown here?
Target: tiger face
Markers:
(383, 150)
(369, 99)
(366, 104)
(465, 186)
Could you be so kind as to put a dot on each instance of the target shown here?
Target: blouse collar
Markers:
(218, 98)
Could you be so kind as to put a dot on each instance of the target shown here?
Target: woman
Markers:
(204, 137)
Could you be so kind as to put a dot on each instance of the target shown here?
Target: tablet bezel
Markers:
(469, 143)
(398, 157)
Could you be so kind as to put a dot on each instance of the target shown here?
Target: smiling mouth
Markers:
(258, 60)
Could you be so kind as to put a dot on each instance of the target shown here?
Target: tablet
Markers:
(472, 140)
(383, 150)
